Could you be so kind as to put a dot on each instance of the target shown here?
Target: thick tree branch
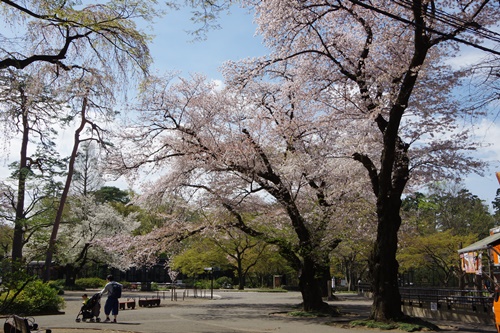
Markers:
(371, 168)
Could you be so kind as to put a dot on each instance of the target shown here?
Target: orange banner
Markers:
(498, 176)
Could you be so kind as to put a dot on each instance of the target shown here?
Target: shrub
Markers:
(225, 282)
(13, 279)
(36, 298)
(206, 284)
(57, 285)
(90, 283)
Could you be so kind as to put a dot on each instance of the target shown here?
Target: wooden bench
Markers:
(149, 302)
(17, 324)
(129, 304)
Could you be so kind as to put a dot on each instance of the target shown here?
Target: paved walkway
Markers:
(227, 312)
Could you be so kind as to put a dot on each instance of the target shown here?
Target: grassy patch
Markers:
(304, 314)
(266, 290)
(409, 325)
(326, 311)
(260, 290)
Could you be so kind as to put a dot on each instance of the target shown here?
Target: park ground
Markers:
(225, 312)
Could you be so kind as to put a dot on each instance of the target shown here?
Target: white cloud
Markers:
(485, 187)
(488, 132)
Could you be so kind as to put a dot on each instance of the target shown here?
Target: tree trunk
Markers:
(70, 275)
(383, 264)
(64, 195)
(72, 269)
(241, 275)
(390, 183)
(311, 281)
(20, 221)
(241, 283)
(241, 279)
(461, 281)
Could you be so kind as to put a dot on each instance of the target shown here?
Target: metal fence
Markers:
(474, 300)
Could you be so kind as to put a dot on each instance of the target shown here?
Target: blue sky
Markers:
(174, 49)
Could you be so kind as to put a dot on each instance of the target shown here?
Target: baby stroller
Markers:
(90, 309)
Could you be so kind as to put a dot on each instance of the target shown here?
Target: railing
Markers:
(474, 300)
(448, 299)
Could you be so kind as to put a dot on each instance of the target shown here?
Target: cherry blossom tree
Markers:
(166, 225)
(385, 62)
(86, 221)
(267, 151)
(485, 83)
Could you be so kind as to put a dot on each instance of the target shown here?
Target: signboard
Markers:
(471, 262)
(434, 306)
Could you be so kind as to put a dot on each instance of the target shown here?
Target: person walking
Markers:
(114, 292)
